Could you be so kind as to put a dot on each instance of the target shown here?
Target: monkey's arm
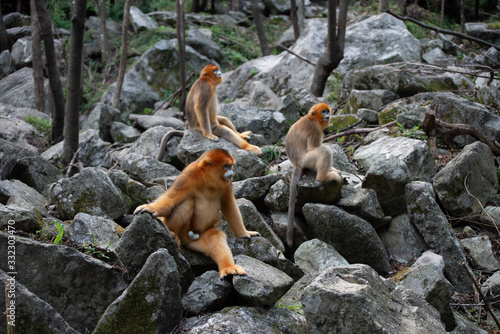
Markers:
(163, 205)
(230, 210)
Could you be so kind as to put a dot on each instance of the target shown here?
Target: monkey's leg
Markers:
(213, 243)
(230, 135)
(225, 121)
(321, 159)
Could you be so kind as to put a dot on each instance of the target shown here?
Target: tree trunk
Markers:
(74, 80)
(54, 80)
(123, 56)
(4, 38)
(260, 29)
(441, 21)
(301, 15)
(334, 51)
(105, 49)
(402, 7)
(37, 61)
(181, 36)
(295, 20)
(383, 5)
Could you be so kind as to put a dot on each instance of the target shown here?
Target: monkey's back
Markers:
(199, 97)
(297, 138)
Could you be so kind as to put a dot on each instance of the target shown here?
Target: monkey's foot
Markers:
(231, 270)
(212, 137)
(245, 135)
(254, 149)
(176, 239)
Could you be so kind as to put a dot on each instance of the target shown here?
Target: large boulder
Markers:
(90, 191)
(379, 39)
(354, 238)
(354, 299)
(80, 292)
(467, 181)
(17, 89)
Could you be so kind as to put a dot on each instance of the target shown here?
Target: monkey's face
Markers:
(213, 72)
(321, 113)
(219, 164)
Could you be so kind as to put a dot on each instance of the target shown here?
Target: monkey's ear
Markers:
(313, 112)
(206, 162)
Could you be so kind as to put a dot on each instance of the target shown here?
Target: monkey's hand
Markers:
(145, 208)
(212, 137)
(251, 234)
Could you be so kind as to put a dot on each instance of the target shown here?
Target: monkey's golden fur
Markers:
(304, 148)
(201, 111)
(194, 202)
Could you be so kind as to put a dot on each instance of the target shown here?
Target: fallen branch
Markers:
(435, 128)
(478, 288)
(170, 100)
(480, 204)
(72, 163)
(443, 31)
(296, 55)
(358, 131)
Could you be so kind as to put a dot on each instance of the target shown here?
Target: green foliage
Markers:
(270, 154)
(147, 111)
(333, 85)
(414, 133)
(147, 38)
(42, 125)
(493, 25)
(60, 233)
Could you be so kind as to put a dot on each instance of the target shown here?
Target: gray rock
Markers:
(6, 63)
(375, 41)
(429, 282)
(480, 249)
(193, 145)
(437, 56)
(147, 169)
(17, 89)
(93, 151)
(151, 303)
(255, 189)
(141, 21)
(315, 256)
(240, 319)
(16, 19)
(149, 121)
(254, 222)
(277, 198)
(388, 177)
(368, 115)
(354, 238)
(91, 191)
(201, 41)
(266, 122)
(371, 99)
(101, 118)
(263, 285)
(414, 153)
(491, 288)
(30, 313)
(309, 190)
(80, 293)
(481, 31)
(98, 231)
(362, 202)
(149, 145)
(35, 200)
(476, 165)
(21, 52)
(151, 234)
(402, 239)
(289, 107)
(207, 293)
(20, 217)
(354, 299)
(432, 224)
(122, 133)
(280, 225)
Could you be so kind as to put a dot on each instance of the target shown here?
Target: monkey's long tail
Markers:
(164, 141)
(297, 173)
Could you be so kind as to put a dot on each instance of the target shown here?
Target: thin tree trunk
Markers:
(105, 49)
(54, 79)
(71, 125)
(383, 5)
(462, 16)
(441, 21)
(294, 19)
(123, 57)
(233, 5)
(181, 36)
(260, 29)
(334, 51)
(301, 15)
(4, 38)
(37, 61)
